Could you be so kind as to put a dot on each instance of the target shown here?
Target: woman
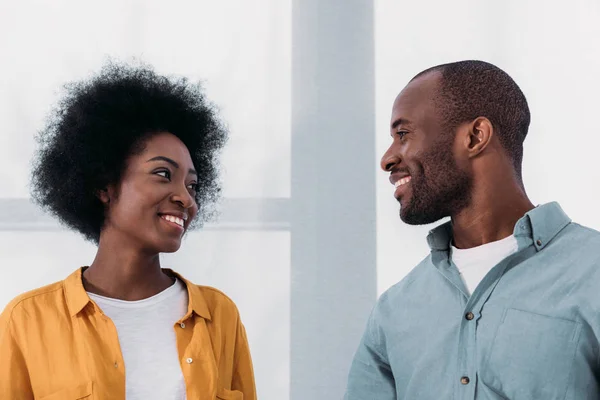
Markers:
(129, 161)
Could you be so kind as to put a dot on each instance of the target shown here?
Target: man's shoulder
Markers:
(584, 231)
(577, 247)
(405, 286)
(580, 238)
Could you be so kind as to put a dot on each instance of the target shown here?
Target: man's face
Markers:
(421, 159)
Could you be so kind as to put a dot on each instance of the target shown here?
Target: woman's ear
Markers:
(103, 195)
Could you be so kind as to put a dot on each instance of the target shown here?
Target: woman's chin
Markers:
(167, 246)
(171, 248)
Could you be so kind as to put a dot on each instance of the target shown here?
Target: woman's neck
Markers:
(125, 273)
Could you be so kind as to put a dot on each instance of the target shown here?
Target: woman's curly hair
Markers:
(102, 121)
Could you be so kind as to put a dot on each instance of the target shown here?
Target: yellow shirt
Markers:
(56, 344)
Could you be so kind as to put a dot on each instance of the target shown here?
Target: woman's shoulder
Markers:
(211, 295)
(32, 301)
(214, 295)
(216, 300)
(210, 302)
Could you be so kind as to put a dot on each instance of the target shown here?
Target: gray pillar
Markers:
(333, 247)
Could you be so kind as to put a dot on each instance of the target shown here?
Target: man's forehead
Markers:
(416, 95)
(421, 88)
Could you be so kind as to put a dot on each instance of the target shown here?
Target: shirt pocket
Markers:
(531, 356)
(73, 393)
(224, 394)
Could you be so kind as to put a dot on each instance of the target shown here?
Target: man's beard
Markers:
(439, 188)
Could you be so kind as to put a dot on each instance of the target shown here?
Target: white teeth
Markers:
(173, 219)
(402, 181)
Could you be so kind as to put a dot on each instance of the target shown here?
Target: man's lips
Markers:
(402, 181)
(399, 178)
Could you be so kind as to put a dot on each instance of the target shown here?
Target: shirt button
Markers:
(469, 316)
(189, 361)
(182, 325)
(465, 380)
(539, 242)
(116, 365)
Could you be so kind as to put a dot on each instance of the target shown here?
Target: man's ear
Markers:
(480, 134)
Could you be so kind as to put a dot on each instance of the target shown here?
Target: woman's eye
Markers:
(164, 173)
(193, 186)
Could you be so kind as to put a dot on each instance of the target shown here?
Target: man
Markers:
(506, 305)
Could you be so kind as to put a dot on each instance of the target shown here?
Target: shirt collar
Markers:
(541, 224)
(77, 297)
(197, 302)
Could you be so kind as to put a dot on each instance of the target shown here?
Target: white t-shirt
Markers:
(473, 264)
(147, 337)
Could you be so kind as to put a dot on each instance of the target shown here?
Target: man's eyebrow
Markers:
(172, 162)
(400, 121)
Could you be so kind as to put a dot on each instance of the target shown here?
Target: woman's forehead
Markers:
(164, 145)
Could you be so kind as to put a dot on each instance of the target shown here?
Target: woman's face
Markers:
(154, 203)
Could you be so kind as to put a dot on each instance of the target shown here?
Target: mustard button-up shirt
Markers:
(55, 343)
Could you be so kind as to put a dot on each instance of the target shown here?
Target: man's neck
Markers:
(490, 217)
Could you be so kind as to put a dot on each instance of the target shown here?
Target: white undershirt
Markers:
(473, 264)
(147, 337)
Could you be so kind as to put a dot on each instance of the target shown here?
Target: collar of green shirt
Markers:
(541, 224)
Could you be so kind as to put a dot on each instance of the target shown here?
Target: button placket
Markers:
(466, 355)
(467, 364)
(467, 360)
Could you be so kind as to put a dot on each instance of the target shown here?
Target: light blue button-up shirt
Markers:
(529, 331)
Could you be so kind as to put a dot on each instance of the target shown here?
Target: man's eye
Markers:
(164, 173)
(193, 186)
(401, 134)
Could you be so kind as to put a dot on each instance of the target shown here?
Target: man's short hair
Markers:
(471, 89)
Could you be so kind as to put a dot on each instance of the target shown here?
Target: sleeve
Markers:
(14, 377)
(243, 371)
(370, 374)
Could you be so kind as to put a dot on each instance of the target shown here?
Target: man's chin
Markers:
(416, 217)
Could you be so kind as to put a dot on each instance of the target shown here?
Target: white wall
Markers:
(552, 51)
